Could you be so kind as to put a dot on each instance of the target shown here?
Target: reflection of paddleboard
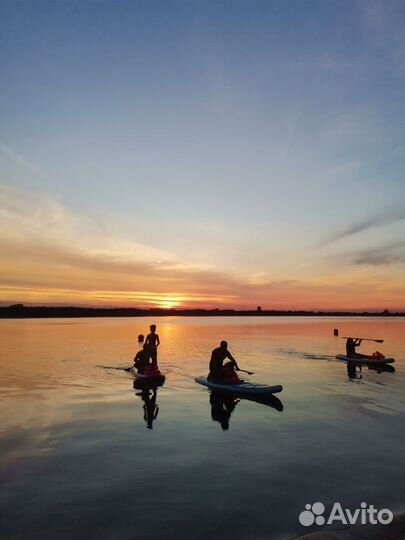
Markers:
(141, 384)
(364, 360)
(267, 399)
(242, 388)
(382, 368)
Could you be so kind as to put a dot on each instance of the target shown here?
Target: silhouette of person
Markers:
(351, 345)
(141, 339)
(153, 342)
(141, 359)
(218, 356)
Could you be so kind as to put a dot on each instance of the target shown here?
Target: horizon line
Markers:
(17, 307)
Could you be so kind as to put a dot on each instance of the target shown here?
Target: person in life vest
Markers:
(220, 372)
(377, 355)
(141, 359)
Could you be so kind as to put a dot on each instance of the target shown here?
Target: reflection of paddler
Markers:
(352, 370)
(150, 409)
(221, 408)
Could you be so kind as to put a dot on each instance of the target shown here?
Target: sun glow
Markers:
(169, 303)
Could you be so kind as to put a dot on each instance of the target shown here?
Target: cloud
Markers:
(49, 254)
(20, 160)
(324, 62)
(393, 253)
(49, 248)
(387, 216)
(339, 170)
(39, 224)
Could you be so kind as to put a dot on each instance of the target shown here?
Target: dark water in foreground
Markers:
(78, 462)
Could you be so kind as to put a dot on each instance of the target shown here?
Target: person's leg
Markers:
(153, 355)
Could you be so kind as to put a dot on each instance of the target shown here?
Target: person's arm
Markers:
(232, 359)
(157, 340)
(147, 340)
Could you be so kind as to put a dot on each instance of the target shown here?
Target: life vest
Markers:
(377, 356)
(229, 375)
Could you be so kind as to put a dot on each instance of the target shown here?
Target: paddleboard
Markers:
(364, 360)
(242, 388)
(141, 377)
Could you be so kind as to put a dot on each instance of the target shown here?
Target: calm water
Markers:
(78, 462)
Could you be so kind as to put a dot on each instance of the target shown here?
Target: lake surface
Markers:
(79, 461)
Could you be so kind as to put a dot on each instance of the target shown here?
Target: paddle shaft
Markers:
(364, 339)
(248, 372)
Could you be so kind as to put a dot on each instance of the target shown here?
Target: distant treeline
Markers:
(19, 311)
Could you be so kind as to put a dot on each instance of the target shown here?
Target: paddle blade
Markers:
(248, 372)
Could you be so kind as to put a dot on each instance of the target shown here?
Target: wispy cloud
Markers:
(44, 244)
(325, 62)
(339, 170)
(394, 253)
(21, 160)
(387, 216)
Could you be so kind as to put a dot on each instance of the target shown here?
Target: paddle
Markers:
(248, 372)
(364, 339)
(114, 367)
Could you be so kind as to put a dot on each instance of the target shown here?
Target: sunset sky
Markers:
(202, 153)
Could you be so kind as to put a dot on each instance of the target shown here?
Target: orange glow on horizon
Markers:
(307, 297)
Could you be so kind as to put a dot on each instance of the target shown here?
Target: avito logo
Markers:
(314, 513)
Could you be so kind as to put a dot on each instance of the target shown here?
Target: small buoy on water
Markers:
(335, 332)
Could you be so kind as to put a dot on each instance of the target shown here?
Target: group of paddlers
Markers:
(146, 359)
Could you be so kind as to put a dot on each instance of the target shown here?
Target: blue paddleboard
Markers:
(242, 388)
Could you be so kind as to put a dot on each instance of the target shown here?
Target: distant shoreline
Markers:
(20, 311)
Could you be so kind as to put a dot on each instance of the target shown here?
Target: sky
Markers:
(215, 154)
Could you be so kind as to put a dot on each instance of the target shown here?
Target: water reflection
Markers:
(383, 368)
(224, 404)
(355, 370)
(148, 394)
